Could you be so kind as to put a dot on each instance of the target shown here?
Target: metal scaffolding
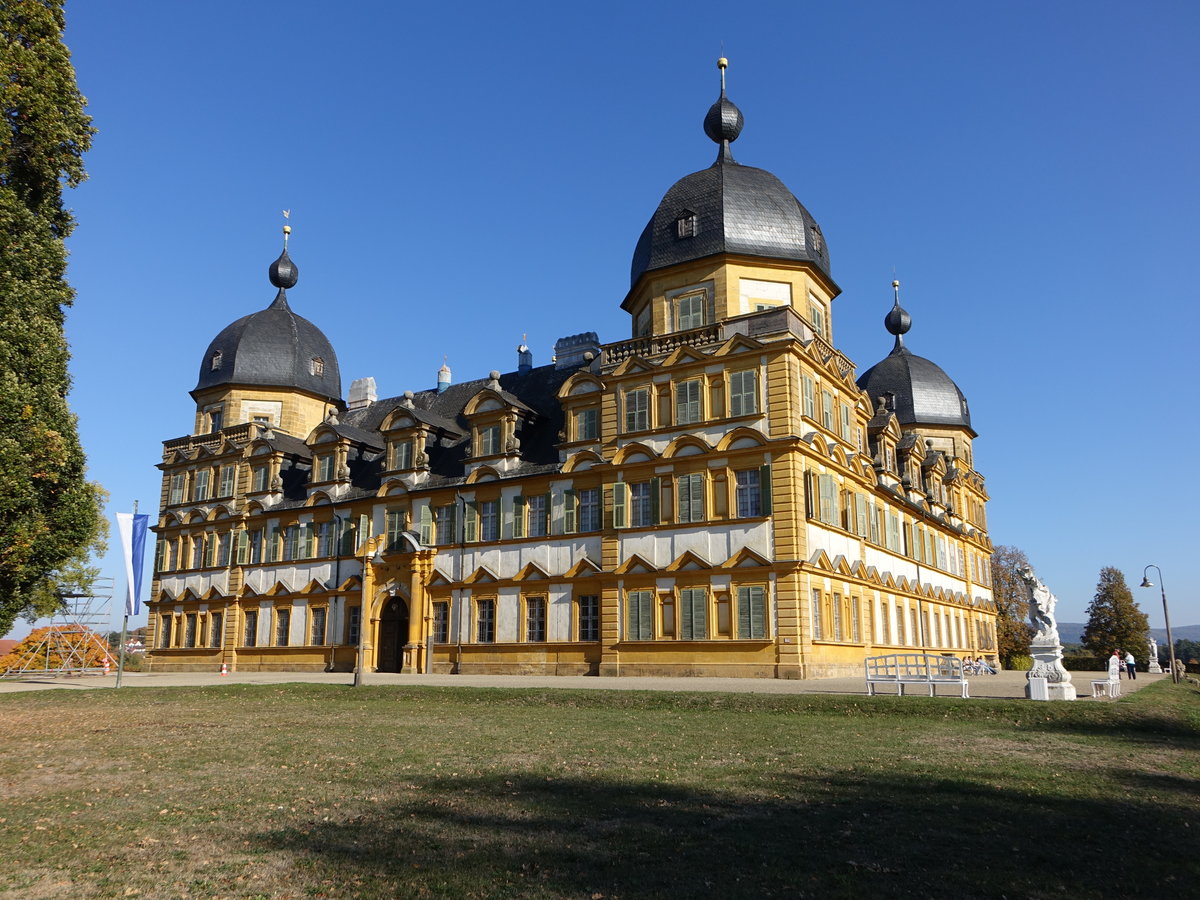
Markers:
(73, 638)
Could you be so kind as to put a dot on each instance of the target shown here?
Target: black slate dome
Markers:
(273, 347)
(918, 391)
(734, 208)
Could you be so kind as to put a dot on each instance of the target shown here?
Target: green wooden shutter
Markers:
(764, 489)
(570, 512)
(210, 549)
(828, 491)
(620, 508)
(518, 526)
(426, 526)
(860, 514)
(655, 500)
(752, 624)
(471, 522)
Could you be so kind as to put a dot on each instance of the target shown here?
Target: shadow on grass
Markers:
(880, 836)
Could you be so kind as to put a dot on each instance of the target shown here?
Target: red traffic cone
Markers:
(224, 669)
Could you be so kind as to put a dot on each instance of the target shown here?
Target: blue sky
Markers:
(462, 175)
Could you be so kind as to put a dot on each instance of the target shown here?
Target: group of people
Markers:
(977, 666)
(1116, 662)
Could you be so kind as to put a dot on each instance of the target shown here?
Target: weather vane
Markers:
(287, 229)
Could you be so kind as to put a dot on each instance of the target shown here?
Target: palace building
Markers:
(717, 494)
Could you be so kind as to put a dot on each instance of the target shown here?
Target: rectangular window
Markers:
(283, 626)
(538, 507)
(689, 311)
(837, 617)
(441, 622)
(751, 613)
(748, 493)
(639, 616)
(291, 542)
(643, 503)
(216, 633)
(402, 455)
(250, 630)
(691, 498)
(443, 524)
(317, 635)
(816, 315)
(227, 476)
(489, 520)
(535, 619)
(325, 467)
(855, 633)
(827, 410)
(827, 490)
(810, 403)
(489, 440)
(164, 631)
(687, 402)
(353, 621)
(324, 539)
(470, 525)
(200, 486)
(260, 477)
(693, 614)
(818, 631)
(393, 521)
(587, 425)
(847, 433)
(189, 630)
(198, 552)
(589, 509)
(178, 485)
(743, 392)
(637, 410)
(485, 621)
(589, 617)
(223, 548)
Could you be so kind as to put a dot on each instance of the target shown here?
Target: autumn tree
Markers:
(1114, 619)
(58, 647)
(1013, 631)
(48, 512)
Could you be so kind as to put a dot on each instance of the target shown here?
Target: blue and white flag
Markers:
(133, 541)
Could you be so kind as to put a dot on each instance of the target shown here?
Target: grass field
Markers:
(291, 791)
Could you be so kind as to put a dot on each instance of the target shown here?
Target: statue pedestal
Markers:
(1155, 668)
(1048, 680)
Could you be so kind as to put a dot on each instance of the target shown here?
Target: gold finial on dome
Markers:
(287, 229)
(722, 64)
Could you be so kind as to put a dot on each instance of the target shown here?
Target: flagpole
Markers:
(124, 626)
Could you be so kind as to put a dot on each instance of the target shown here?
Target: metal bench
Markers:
(914, 668)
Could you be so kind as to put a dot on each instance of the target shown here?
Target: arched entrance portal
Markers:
(393, 635)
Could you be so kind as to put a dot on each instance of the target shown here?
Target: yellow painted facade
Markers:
(713, 496)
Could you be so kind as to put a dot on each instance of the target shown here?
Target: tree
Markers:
(1114, 619)
(48, 511)
(1013, 631)
(58, 647)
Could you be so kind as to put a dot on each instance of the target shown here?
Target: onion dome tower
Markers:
(728, 208)
(916, 389)
(270, 359)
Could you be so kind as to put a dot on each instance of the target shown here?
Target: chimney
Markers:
(362, 393)
(443, 378)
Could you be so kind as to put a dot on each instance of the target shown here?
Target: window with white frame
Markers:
(178, 488)
(228, 474)
(587, 424)
(200, 485)
(818, 630)
(443, 524)
(283, 627)
(325, 467)
(489, 440)
(538, 515)
(402, 455)
(489, 520)
(589, 509)
(816, 315)
(642, 505)
(441, 622)
(690, 310)
(485, 621)
(317, 633)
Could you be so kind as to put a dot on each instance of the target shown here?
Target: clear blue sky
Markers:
(462, 174)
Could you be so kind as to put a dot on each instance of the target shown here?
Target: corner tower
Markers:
(727, 241)
(272, 367)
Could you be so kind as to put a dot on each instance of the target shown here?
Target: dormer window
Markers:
(216, 360)
(489, 440)
(316, 366)
(402, 455)
(325, 467)
(685, 225)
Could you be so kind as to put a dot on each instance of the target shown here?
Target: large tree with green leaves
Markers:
(1013, 631)
(1115, 622)
(49, 513)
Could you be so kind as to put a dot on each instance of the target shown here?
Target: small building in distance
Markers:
(716, 494)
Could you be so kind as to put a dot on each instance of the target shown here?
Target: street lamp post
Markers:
(1146, 582)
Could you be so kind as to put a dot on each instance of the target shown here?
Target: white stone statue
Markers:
(1046, 647)
(1155, 668)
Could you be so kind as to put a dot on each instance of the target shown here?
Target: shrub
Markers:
(1020, 663)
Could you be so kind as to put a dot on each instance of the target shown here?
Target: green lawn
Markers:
(327, 791)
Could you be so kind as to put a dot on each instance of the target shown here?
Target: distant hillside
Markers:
(1072, 632)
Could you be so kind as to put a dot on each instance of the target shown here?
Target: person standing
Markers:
(1130, 665)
